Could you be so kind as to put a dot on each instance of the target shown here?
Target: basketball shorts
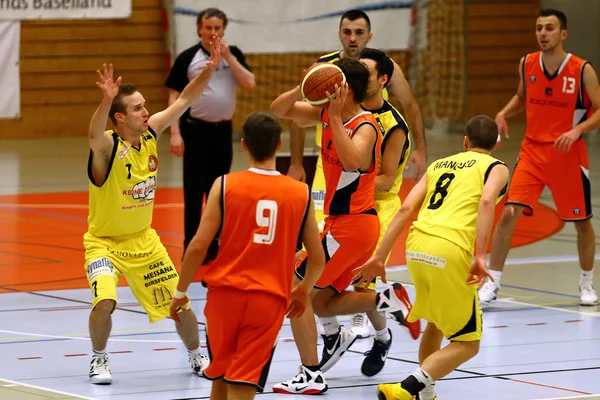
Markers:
(387, 206)
(349, 241)
(318, 192)
(439, 270)
(241, 334)
(566, 175)
(142, 259)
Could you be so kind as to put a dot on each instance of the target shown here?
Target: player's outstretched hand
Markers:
(370, 270)
(298, 302)
(478, 272)
(215, 53)
(176, 306)
(105, 81)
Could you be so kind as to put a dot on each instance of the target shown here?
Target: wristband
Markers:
(179, 295)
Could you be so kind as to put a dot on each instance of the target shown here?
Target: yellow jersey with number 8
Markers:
(123, 204)
(454, 188)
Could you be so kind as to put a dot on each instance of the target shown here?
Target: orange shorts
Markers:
(349, 241)
(241, 334)
(565, 174)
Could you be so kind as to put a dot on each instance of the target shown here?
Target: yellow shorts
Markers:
(439, 271)
(318, 192)
(144, 262)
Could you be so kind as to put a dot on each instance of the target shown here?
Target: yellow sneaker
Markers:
(392, 391)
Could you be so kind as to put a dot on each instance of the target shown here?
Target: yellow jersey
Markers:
(389, 119)
(454, 188)
(331, 58)
(123, 204)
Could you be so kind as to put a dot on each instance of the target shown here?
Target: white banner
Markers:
(64, 9)
(10, 99)
(283, 26)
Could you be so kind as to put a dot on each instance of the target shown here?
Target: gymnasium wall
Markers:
(59, 59)
(58, 64)
(499, 33)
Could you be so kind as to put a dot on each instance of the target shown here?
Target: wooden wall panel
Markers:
(500, 32)
(58, 62)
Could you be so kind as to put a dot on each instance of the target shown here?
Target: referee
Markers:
(203, 135)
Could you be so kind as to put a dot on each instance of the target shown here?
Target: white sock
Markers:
(587, 276)
(195, 352)
(99, 353)
(383, 335)
(496, 275)
(331, 326)
(423, 377)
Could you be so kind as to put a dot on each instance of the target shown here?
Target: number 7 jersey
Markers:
(454, 188)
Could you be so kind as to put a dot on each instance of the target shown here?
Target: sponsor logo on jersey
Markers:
(152, 163)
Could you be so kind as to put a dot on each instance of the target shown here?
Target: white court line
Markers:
(14, 383)
(85, 338)
(77, 206)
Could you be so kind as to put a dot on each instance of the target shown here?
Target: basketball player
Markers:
(355, 33)
(351, 228)
(553, 152)
(457, 199)
(122, 169)
(260, 214)
(394, 154)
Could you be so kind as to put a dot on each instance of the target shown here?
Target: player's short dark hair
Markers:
(357, 77)
(383, 63)
(482, 132)
(118, 106)
(209, 13)
(549, 12)
(262, 132)
(353, 15)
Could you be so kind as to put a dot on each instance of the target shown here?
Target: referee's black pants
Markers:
(208, 152)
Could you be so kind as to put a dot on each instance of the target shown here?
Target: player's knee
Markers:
(471, 348)
(510, 215)
(106, 306)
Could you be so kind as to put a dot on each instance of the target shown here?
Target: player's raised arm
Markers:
(161, 120)
(289, 105)
(99, 141)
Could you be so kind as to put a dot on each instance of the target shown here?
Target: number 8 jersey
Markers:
(454, 188)
(263, 213)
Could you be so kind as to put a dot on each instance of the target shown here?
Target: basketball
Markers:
(320, 79)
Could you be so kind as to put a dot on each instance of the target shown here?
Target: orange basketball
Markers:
(321, 79)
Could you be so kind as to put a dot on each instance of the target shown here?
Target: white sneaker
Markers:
(198, 363)
(488, 293)
(360, 325)
(100, 371)
(334, 347)
(305, 382)
(587, 294)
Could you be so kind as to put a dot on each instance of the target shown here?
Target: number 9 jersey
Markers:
(454, 188)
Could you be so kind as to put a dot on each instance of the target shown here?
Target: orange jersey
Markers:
(347, 192)
(263, 213)
(554, 104)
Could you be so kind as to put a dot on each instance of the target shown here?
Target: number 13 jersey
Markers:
(554, 103)
(262, 216)
(454, 188)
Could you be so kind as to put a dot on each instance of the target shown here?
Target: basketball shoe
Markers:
(100, 370)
